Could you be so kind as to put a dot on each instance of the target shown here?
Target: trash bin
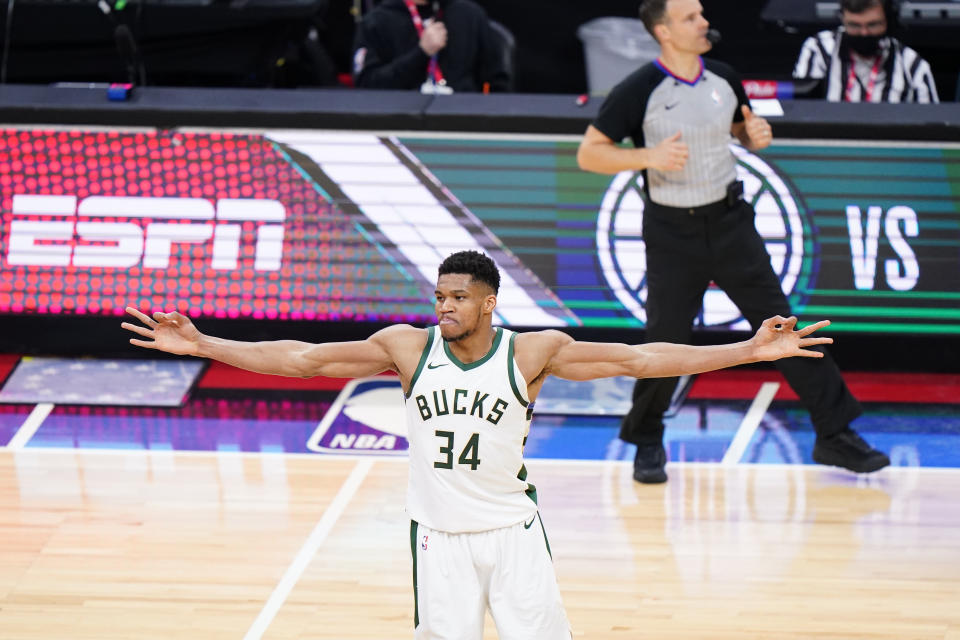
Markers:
(614, 48)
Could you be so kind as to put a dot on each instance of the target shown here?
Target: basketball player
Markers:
(475, 533)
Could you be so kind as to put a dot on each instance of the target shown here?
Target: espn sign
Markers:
(141, 230)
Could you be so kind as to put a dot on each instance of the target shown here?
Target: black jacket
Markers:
(387, 53)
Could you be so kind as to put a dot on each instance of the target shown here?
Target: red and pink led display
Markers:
(209, 224)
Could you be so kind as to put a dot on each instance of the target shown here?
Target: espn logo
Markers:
(80, 240)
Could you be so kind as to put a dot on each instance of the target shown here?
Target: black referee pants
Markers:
(685, 252)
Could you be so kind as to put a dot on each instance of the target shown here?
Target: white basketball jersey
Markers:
(467, 423)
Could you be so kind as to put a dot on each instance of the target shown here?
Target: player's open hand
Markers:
(170, 332)
(670, 155)
(778, 338)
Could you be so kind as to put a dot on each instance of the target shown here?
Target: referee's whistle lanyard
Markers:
(853, 80)
(433, 69)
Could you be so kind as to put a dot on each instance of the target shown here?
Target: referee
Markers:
(680, 111)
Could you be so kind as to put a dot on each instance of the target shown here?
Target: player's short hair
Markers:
(652, 13)
(474, 264)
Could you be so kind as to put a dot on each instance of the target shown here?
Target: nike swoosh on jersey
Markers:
(437, 366)
(670, 106)
(527, 525)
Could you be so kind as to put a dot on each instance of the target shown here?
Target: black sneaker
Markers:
(649, 463)
(848, 450)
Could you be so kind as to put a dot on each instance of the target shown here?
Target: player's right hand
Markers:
(670, 155)
(170, 332)
(778, 338)
(434, 37)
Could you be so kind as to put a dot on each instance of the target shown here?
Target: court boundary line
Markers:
(29, 427)
(309, 549)
(750, 423)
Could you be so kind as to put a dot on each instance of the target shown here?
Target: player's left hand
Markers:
(758, 129)
(777, 338)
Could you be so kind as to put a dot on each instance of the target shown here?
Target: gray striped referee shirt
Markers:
(652, 104)
(900, 76)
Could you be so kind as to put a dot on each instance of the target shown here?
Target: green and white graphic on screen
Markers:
(866, 235)
(327, 225)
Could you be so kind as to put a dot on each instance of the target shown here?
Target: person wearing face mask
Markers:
(861, 62)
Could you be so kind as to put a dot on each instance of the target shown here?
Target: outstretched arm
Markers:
(175, 333)
(777, 338)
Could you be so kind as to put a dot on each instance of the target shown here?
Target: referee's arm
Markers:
(600, 154)
(753, 132)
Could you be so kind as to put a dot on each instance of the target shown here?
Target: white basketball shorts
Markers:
(457, 576)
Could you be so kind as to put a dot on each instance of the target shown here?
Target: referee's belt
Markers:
(734, 197)
(707, 210)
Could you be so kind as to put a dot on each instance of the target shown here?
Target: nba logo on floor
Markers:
(367, 417)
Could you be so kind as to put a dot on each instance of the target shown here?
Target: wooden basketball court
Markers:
(134, 544)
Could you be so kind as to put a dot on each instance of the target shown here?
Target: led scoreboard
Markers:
(351, 226)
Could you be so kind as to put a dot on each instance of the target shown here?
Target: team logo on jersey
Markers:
(781, 222)
(367, 417)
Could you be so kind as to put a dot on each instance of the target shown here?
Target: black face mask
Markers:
(866, 46)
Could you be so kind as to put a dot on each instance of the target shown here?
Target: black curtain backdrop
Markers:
(267, 43)
(550, 56)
